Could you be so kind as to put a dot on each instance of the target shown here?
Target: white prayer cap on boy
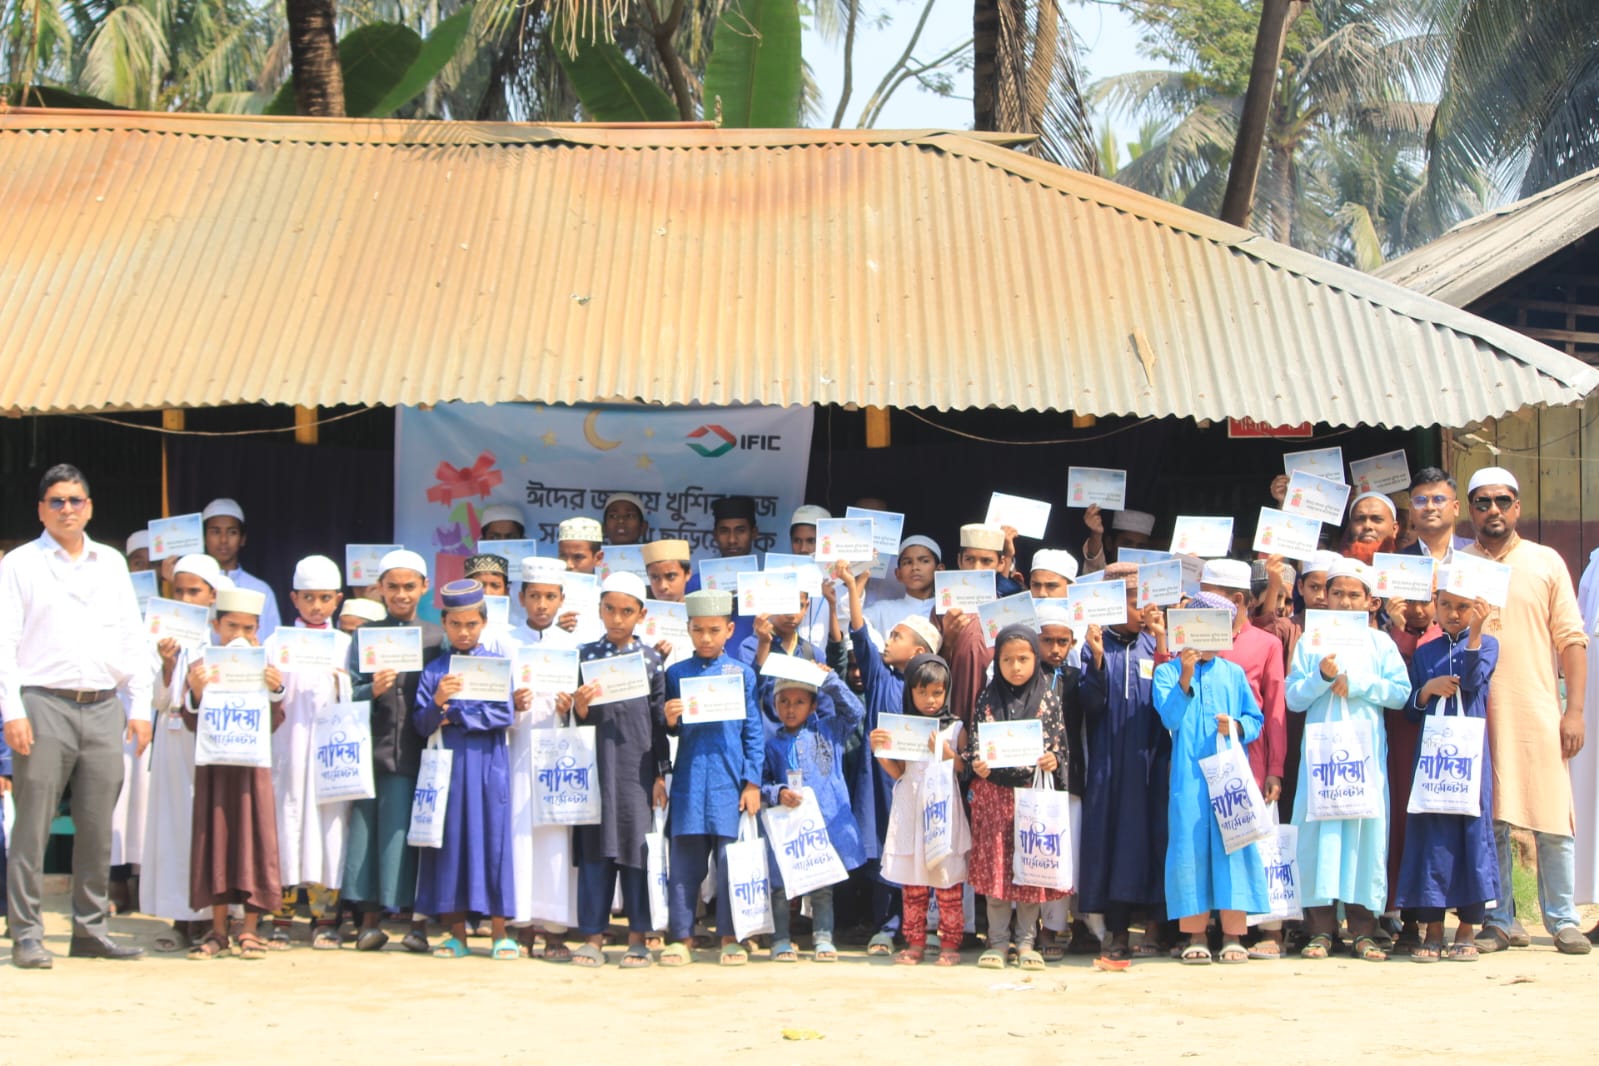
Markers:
(808, 515)
(1134, 522)
(402, 559)
(916, 540)
(923, 629)
(542, 570)
(317, 572)
(1051, 613)
(983, 537)
(222, 507)
(501, 512)
(666, 551)
(1492, 475)
(623, 497)
(1226, 574)
(580, 528)
(1321, 561)
(783, 683)
(1056, 561)
(138, 540)
(708, 603)
(240, 601)
(361, 607)
(203, 567)
(627, 583)
(1346, 567)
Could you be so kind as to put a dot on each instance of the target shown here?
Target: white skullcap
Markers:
(1320, 562)
(1226, 573)
(542, 570)
(924, 629)
(402, 559)
(501, 512)
(139, 540)
(808, 515)
(203, 567)
(1492, 475)
(983, 537)
(242, 601)
(628, 583)
(580, 528)
(624, 497)
(317, 572)
(1056, 561)
(918, 541)
(1346, 567)
(1134, 522)
(1383, 496)
(222, 507)
(361, 607)
(1051, 612)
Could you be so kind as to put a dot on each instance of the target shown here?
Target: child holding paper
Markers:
(1449, 859)
(1410, 624)
(1056, 641)
(809, 752)
(780, 633)
(233, 857)
(310, 834)
(579, 545)
(716, 776)
(633, 763)
(904, 858)
(1020, 690)
(669, 564)
(472, 872)
(1200, 697)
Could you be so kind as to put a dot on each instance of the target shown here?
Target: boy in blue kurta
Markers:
(809, 752)
(1345, 860)
(715, 777)
(472, 871)
(1199, 697)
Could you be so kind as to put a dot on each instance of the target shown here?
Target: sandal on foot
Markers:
(824, 951)
(1367, 950)
(678, 954)
(1052, 952)
(1266, 949)
(589, 957)
(556, 951)
(637, 958)
(415, 941)
(1115, 960)
(734, 954)
(1430, 951)
(451, 948)
(948, 957)
(325, 938)
(1030, 960)
(881, 944)
(992, 959)
(783, 951)
(505, 949)
(912, 955)
(1148, 949)
(212, 946)
(1232, 953)
(1318, 947)
(1195, 955)
(1406, 943)
(1462, 951)
(279, 940)
(251, 947)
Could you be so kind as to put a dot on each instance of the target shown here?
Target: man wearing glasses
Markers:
(1531, 737)
(70, 638)
(1434, 515)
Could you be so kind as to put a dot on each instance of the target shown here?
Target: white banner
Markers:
(555, 462)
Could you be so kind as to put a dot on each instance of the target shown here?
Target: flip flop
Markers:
(733, 954)
(451, 948)
(588, 957)
(1258, 952)
(505, 949)
(1462, 951)
(678, 954)
(1431, 951)
(637, 958)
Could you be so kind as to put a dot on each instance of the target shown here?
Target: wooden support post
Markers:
(305, 425)
(877, 434)
(172, 421)
(1082, 421)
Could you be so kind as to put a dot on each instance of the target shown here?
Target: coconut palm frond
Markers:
(1568, 143)
(126, 58)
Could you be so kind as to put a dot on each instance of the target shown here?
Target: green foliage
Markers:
(387, 65)
(1213, 41)
(755, 68)
(611, 88)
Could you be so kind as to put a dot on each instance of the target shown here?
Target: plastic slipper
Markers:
(912, 955)
(1030, 960)
(880, 944)
(637, 958)
(1259, 952)
(948, 957)
(992, 959)
(1462, 951)
(783, 951)
(733, 954)
(279, 939)
(1232, 953)
(556, 951)
(678, 954)
(450, 948)
(588, 957)
(505, 949)
(1431, 951)
(1116, 960)
(1052, 952)
(825, 952)
(1195, 955)
(325, 938)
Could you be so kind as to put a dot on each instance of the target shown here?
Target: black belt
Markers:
(74, 695)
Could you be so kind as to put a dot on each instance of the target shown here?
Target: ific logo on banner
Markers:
(712, 440)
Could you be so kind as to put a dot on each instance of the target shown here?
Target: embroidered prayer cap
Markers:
(784, 683)
(1258, 572)
(487, 564)
(222, 507)
(732, 508)
(1346, 567)
(1226, 573)
(1056, 561)
(709, 603)
(1134, 522)
(461, 595)
(542, 570)
(1051, 613)
(317, 572)
(581, 528)
(240, 601)
(501, 512)
(1321, 561)
(627, 583)
(1383, 496)
(1120, 571)
(983, 537)
(916, 540)
(924, 629)
(138, 540)
(203, 567)
(402, 559)
(361, 607)
(664, 551)
(1492, 475)
(623, 497)
(808, 515)
(1212, 601)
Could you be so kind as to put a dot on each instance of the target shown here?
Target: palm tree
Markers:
(1027, 78)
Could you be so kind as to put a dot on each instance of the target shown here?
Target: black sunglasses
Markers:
(1488, 503)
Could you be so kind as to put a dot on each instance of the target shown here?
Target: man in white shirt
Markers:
(70, 639)
(224, 538)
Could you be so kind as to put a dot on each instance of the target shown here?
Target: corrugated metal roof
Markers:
(1485, 251)
(166, 260)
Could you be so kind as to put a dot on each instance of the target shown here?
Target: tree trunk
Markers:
(314, 53)
(1240, 194)
(985, 62)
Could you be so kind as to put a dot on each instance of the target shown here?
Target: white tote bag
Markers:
(1235, 799)
(748, 881)
(566, 776)
(938, 811)
(805, 856)
(341, 739)
(1279, 854)
(1448, 765)
(656, 869)
(234, 729)
(1341, 771)
(432, 795)
(1042, 835)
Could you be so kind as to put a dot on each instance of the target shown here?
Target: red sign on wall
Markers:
(1246, 428)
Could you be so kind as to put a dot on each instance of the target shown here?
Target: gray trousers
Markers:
(80, 745)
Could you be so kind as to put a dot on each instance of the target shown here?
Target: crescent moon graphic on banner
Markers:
(592, 434)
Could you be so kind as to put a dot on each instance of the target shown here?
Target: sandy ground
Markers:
(335, 1007)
